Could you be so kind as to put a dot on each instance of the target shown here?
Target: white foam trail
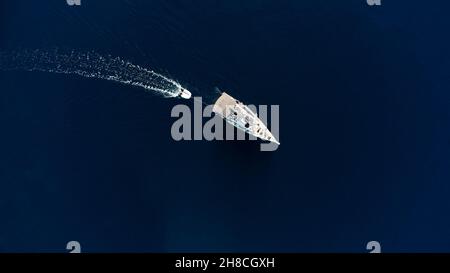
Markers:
(90, 65)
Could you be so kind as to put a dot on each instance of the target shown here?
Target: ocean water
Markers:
(364, 128)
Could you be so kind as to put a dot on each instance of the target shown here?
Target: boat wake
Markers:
(91, 65)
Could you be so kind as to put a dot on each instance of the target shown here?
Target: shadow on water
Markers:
(243, 156)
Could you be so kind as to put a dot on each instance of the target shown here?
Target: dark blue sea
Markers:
(364, 128)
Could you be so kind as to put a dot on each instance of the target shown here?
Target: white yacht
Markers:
(240, 116)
